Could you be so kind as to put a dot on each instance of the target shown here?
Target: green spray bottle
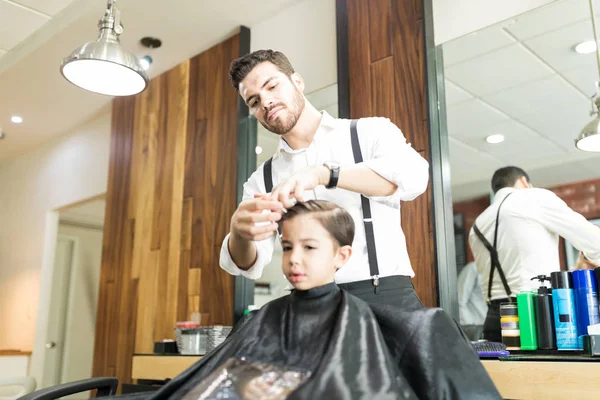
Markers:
(527, 325)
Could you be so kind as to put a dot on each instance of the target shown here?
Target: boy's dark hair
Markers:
(336, 220)
(242, 66)
(507, 177)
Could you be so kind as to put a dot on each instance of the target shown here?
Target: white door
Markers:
(73, 302)
(55, 337)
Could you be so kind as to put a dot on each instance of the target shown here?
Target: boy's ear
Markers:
(342, 256)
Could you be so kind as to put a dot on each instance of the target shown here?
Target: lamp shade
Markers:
(104, 67)
(589, 138)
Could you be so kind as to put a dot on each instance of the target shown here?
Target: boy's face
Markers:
(310, 255)
(275, 99)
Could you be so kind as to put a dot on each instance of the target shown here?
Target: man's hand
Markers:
(583, 263)
(256, 219)
(294, 187)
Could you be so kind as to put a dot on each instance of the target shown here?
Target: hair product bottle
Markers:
(565, 317)
(544, 315)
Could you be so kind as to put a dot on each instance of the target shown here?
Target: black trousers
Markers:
(392, 290)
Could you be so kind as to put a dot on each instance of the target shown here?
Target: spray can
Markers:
(586, 300)
(597, 272)
(565, 317)
(544, 315)
(527, 327)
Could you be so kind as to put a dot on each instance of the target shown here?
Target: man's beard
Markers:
(281, 126)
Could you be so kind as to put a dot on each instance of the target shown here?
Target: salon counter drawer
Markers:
(160, 367)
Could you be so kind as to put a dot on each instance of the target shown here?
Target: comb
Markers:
(490, 349)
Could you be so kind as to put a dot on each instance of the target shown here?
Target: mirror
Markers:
(517, 93)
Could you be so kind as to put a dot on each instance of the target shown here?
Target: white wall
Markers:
(64, 171)
(306, 34)
(456, 18)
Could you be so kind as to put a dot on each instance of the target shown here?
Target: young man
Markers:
(316, 159)
(519, 240)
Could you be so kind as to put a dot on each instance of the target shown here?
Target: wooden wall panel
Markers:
(380, 32)
(386, 64)
(359, 65)
(214, 185)
(171, 193)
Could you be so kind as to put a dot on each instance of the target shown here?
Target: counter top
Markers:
(545, 379)
(13, 352)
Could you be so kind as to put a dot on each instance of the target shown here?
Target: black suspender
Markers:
(495, 260)
(365, 203)
(366, 209)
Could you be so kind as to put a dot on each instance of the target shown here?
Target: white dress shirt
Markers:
(386, 152)
(472, 307)
(531, 220)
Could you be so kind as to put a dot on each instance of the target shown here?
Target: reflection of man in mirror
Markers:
(472, 308)
(516, 238)
(367, 168)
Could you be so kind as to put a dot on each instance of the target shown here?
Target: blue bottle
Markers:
(565, 316)
(586, 300)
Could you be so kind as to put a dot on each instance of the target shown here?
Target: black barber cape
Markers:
(336, 339)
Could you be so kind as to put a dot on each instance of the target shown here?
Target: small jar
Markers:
(509, 322)
(193, 341)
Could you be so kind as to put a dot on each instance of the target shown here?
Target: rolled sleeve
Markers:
(264, 248)
(391, 157)
(264, 254)
(558, 217)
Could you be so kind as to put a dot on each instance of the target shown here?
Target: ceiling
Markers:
(521, 78)
(35, 35)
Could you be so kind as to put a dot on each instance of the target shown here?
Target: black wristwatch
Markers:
(334, 174)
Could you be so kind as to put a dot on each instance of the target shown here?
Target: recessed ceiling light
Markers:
(586, 47)
(258, 150)
(495, 139)
(146, 61)
(16, 119)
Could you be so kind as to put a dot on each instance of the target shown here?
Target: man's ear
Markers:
(342, 256)
(525, 182)
(298, 81)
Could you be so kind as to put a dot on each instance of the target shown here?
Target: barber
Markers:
(516, 239)
(365, 166)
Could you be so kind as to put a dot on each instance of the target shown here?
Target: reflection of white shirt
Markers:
(530, 222)
(386, 152)
(471, 305)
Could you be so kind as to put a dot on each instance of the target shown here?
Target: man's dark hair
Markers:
(242, 66)
(507, 177)
(336, 220)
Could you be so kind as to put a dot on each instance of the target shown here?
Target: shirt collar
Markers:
(327, 124)
(502, 193)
